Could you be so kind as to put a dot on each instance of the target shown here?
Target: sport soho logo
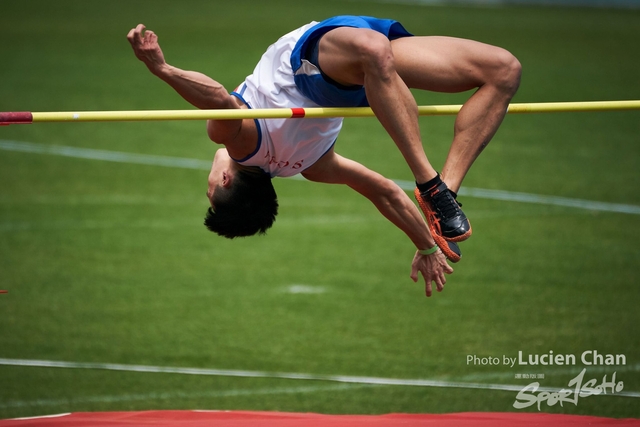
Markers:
(578, 387)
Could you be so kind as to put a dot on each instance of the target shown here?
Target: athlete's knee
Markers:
(507, 71)
(374, 51)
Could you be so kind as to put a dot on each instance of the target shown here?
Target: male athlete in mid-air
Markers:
(348, 61)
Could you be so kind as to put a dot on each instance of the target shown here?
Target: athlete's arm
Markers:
(196, 88)
(393, 203)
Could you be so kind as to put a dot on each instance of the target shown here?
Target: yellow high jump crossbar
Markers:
(288, 113)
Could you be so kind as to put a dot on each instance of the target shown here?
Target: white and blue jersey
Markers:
(285, 78)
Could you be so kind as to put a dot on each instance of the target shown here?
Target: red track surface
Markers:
(280, 419)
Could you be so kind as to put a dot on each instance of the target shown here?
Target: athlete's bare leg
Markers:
(441, 64)
(355, 56)
(387, 70)
(445, 64)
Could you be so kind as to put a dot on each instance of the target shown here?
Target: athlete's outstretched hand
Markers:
(145, 46)
(433, 268)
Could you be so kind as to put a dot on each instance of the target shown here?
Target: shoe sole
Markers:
(455, 253)
(428, 213)
(460, 238)
(449, 248)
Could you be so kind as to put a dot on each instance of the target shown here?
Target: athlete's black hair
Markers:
(248, 206)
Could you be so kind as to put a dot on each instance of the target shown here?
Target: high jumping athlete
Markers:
(348, 61)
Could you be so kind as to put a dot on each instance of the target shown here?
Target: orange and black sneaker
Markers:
(444, 216)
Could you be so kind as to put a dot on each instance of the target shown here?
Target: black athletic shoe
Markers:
(443, 214)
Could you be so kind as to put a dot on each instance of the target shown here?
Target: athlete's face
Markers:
(221, 174)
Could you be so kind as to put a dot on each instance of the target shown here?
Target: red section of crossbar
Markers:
(18, 117)
(283, 419)
(297, 113)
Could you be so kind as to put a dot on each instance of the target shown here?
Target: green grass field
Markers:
(108, 262)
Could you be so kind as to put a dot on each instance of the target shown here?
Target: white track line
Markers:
(620, 4)
(106, 155)
(548, 370)
(41, 417)
(281, 375)
(175, 395)
(181, 162)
